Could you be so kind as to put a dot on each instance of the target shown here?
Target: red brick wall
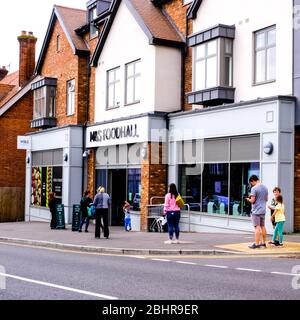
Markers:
(177, 12)
(64, 66)
(297, 181)
(154, 183)
(14, 122)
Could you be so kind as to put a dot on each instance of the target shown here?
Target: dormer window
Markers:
(44, 100)
(212, 66)
(92, 17)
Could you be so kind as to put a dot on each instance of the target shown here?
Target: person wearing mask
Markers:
(102, 203)
(172, 211)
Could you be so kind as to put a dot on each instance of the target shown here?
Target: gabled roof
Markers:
(193, 9)
(151, 19)
(69, 19)
(18, 94)
(9, 86)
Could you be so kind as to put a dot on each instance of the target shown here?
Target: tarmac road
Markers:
(29, 273)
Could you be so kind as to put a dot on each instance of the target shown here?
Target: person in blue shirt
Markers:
(127, 218)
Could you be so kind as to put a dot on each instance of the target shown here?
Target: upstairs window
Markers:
(133, 82)
(113, 88)
(58, 43)
(93, 28)
(265, 55)
(213, 64)
(44, 102)
(70, 97)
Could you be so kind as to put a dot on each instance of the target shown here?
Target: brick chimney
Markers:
(27, 56)
(3, 72)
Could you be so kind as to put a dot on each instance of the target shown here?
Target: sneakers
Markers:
(263, 245)
(176, 241)
(169, 241)
(254, 246)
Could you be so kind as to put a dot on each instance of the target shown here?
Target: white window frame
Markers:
(70, 97)
(116, 81)
(135, 77)
(205, 58)
(265, 48)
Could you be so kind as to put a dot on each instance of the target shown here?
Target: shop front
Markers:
(121, 163)
(213, 158)
(53, 164)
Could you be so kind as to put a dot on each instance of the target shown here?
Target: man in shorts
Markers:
(258, 198)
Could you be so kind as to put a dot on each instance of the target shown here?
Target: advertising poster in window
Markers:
(57, 183)
(44, 181)
(36, 188)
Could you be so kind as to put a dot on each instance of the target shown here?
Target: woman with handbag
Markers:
(172, 210)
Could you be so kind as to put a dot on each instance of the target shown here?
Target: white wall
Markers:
(249, 16)
(160, 69)
(277, 169)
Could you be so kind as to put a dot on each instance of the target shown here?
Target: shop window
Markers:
(190, 185)
(265, 55)
(133, 82)
(46, 177)
(134, 188)
(113, 88)
(215, 188)
(240, 188)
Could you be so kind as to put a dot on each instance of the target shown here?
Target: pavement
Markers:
(140, 243)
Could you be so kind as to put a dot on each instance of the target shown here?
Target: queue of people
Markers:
(173, 204)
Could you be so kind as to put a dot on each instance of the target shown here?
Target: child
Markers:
(279, 217)
(127, 219)
(276, 193)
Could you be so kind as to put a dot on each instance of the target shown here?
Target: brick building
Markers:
(15, 115)
(61, 100)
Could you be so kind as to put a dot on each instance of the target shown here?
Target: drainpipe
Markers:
(88, 71)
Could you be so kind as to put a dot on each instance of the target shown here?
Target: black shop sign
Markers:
(127, 131)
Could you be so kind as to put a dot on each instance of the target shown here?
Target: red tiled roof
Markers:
(72, 19)
(10, 86)
(157, 23)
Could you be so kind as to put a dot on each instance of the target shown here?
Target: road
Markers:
(29, 273)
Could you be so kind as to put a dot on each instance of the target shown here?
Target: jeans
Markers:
(173, 218)
(85, 220)
(279, 230)
(127, 224)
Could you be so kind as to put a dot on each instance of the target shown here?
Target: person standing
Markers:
(84, 204)
(127, 218)
(272, 206)
(258, 198)
(101, 203)
(172, 211)
(52, 207)
(279, 217)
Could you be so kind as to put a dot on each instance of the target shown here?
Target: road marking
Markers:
(286, 274)
(186, 262)
(47, 284)
(251, 270)
(163, 260)
(215, 266)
